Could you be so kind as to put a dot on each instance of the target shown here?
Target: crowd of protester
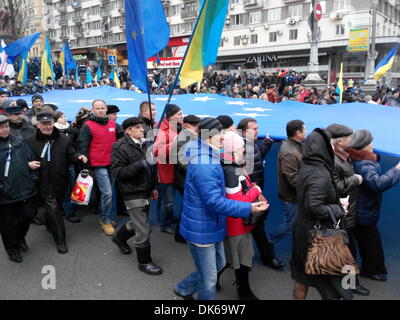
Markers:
(273, 87)
(218, 169)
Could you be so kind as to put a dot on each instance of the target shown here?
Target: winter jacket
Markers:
(130, 169)
(369, 197)
(23, 129)
(20, 184)
(255, 154)
(162, 150)
(289, 163)
(346, 184)
(303, 94)
(96, 139)
(316, 193)
(53, 174)
(146, 124)
(184, 137)
(205, 205)
(235, 176)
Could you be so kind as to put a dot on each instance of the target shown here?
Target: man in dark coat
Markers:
(316, 197)
(289, 163)
(254, 158)
(137, 184)
(55, 152)
(346, 183)
(19, 125)
(17, 189)
(369, 201)
(188, 133)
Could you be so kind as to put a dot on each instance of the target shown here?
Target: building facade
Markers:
(266, 34)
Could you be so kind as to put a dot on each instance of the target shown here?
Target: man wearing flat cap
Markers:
(112, 111)
(346, 183)
(53, 152)
(169, 131)
(188, 133)
(137, 183)
(369, 201)
(19, 126)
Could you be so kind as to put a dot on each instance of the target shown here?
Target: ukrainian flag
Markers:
(385, 64)
(203, 47)
(339, 87)
(23, 70)
(114, 76)
(89, 77)
(46, 69)
(97, 77)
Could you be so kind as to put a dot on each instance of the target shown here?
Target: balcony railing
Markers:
(106, 30)
(189, 14)
(62, 9)
(252, 4)
(78, 33)
(77, 19)
(104, 14)
(64, 37)
(63, 22)
(48, 2)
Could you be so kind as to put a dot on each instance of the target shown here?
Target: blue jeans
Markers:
(105, 184)
(286, 228)
(167, 195)
(208, 261)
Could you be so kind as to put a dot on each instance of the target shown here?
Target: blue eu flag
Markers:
(20, 47)
(147, 33)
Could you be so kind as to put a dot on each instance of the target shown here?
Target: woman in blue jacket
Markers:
(205, 207)
(369, 200)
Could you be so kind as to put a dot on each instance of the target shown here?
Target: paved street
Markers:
(95, 269)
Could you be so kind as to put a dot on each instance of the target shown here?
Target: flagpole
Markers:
(149, 102)
(180, 67)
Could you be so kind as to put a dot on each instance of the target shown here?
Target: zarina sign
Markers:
(263, 58)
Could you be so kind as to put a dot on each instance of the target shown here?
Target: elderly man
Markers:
(17, 190)
(19, 125)
(95, 141)
(53, 152)
(137, 184)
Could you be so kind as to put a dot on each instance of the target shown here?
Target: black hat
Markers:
(360, 139)
(191, 119)
(45, 116)
(112, 109)
(210, 124)
(13, 109)
(52, 106)
(171, 110)
(130, 122)
(3, 119)
(36, 97)
(22, 103)
(226, 121)
(339, 130)
(335, 94)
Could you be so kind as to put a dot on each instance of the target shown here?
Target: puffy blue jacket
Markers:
(370, 191)
(205, 205)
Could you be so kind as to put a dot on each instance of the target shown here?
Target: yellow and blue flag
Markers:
(23, 69)
(114, 77)
(46, 69)
(385, 64)
(89, 77)
(203, 48)
(147, 33)
(20, 47)
(67, 59)
(97, 77)
(339, 87)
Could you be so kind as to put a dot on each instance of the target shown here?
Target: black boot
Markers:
(62, 248)
(145, 263)
(121, 237)
(360, 290)
(243, 285)
(218, 285)
(23, 246)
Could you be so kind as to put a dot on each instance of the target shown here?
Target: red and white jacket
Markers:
(235, 177)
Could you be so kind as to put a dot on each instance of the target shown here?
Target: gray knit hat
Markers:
(360, 139)
(339, 130)
(3, 119)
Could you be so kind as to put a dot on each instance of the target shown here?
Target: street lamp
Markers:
(370, 83)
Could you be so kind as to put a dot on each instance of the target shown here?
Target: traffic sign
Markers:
(112, 60)
(318, 11)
